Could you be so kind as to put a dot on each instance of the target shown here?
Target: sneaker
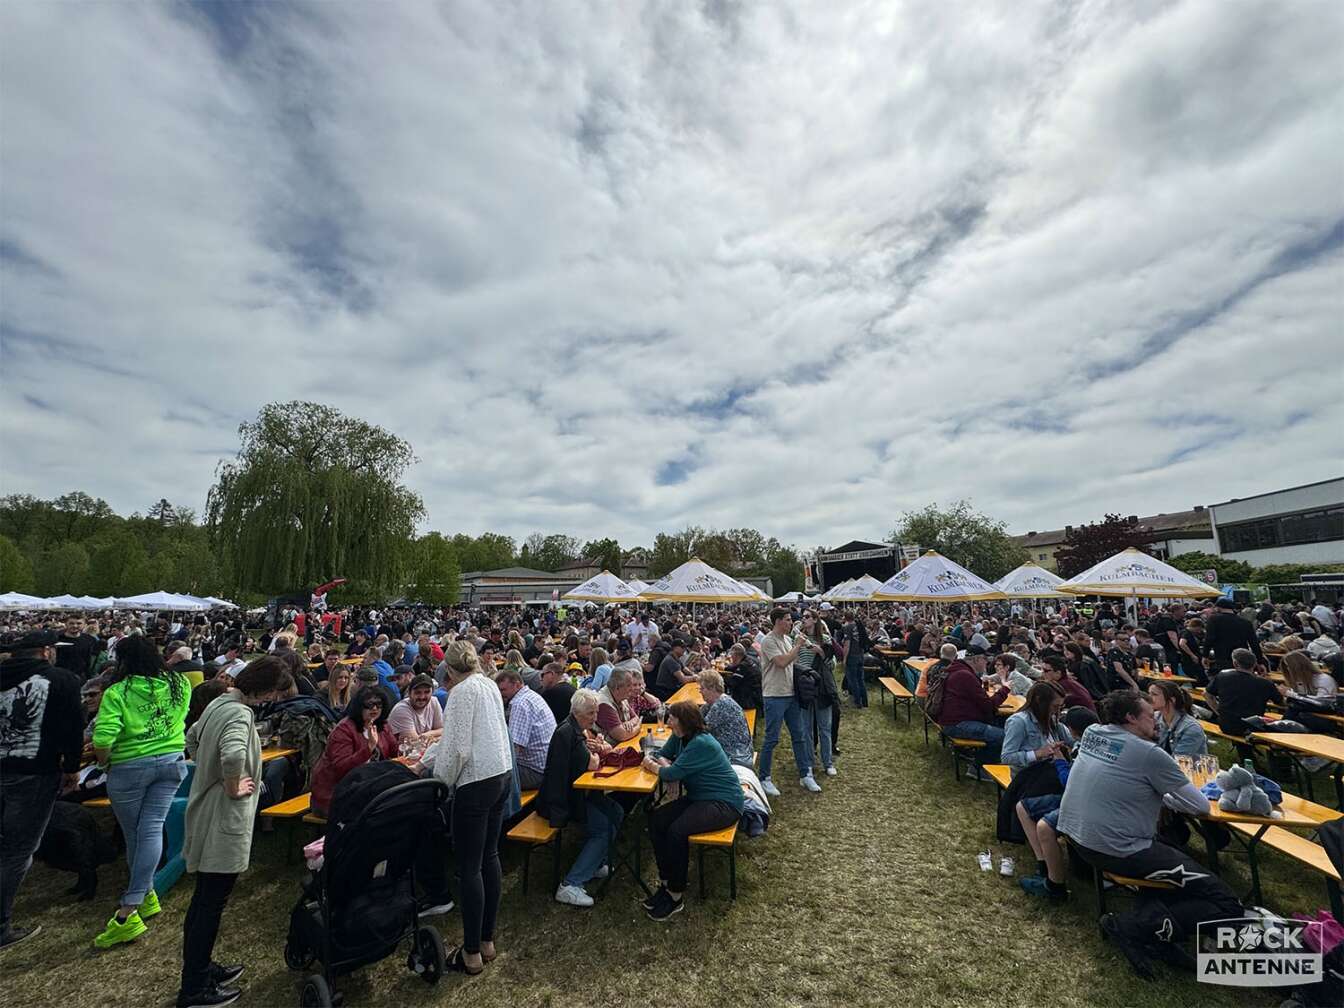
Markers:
(768, 786)
(809, 783)
(1039, 885)
(117, 932)
(985, 861)
(211, 997)
(830, 771)
(222, 976)
(602, 872)
(1131, 948)
(572, 895)
(149, 906)
(17, 934)
(1006, 867)
(652, 901)
(437, 909)
(666, 907)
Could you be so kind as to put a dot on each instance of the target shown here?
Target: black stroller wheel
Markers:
(427, 957)
(316, 993)
(296, 960)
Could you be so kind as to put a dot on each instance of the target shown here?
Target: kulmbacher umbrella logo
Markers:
(949, 581)
(1259, 952)
(1137, 571)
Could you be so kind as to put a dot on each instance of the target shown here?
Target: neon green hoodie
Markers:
(139, 718)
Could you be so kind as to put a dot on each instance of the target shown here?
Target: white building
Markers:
(1303, 524)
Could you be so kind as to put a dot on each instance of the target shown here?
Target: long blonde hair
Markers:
(1298, 670)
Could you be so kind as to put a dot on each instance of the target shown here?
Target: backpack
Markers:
(304, 723)
(935, 682)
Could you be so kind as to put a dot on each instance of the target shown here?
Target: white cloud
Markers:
(826, 265)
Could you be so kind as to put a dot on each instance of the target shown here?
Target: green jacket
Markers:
(139, 718)
(224, 743)
(703, 769)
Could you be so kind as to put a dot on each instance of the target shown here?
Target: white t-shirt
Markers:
(1324, 616)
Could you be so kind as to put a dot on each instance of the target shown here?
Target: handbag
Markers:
(1322, 939)
(616, 760)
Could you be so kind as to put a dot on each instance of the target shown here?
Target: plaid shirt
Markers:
(531, 725)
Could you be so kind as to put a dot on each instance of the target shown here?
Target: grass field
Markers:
(867, 894)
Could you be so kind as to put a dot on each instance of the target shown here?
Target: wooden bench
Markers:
(533, 832)
(1302, 850)
(293, 810)
(962, 752)
(899, 694)
(751, 721)
(723, 839)
(1001, 772)
(526, 799)
(1100, 878)
(97, 803)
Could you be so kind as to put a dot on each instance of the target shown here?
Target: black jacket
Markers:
(1224, 633)
(744, 683)
(559, 802)
(41, 718)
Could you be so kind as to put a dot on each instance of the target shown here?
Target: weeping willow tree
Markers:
(312, 495)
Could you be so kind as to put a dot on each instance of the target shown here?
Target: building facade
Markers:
(1164, 536)
(1303, 524)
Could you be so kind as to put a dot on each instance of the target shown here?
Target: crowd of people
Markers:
(499, 703)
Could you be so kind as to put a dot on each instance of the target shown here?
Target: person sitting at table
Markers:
(616, 720)
(531, 724)
(642, 702)
(1177, 730)
(1035, 732)
(671, 673)
(337, 688)
(1237, 693)
(362, 735)
(744, 677)
(331, 661)
(1054, 669)
(1307, 692)
(418, 719)
(573, 751)
(724, 719)
(1005, 667)
(599, 670)
(1119, 782)
(967, 711)
(711, 799)
(1083, 666)
(556, 689)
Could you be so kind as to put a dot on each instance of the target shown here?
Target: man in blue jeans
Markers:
(967, 710)
(779, 651)
(41, 739)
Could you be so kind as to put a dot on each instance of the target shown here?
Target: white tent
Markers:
(793, 596)
(13, 601)
(638, 586)
(935, 578)
(65, 602)
(697, 581)
(89, 602)
(161, 601)
(1133, 573)
(604, 587)
(1030, 581)
(220, 603)
(756, 594)
(825, 596)
(860, 590)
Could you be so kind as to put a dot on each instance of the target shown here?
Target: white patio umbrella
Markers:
(826, 595)
(638, 585)
(89, 602)
(935, 578)
(697, 581)
(65, 602)
(1031, 582)
(161, 601)
(14, 601)
(220, 603)
(756, 594)
(603, 587)
(859, 590)
(1134, 574)
(793, 596)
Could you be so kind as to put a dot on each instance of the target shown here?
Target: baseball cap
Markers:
(974, 650)
(34, 640)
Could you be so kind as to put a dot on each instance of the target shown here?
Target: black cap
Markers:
(975, 650)
(36, 639)
(422, 680)
(1225, 603)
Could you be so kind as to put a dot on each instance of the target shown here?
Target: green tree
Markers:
(1085, 545)
(1288, 573)
(64, 571)
(79, 516)
(16, 572)
(605, 552)
(1229, 571)
(313, 494)
(672, 550)
(434, 578)
(111, 559)
(490, 551)
(551, 552)
(783, 565)
(964, 535)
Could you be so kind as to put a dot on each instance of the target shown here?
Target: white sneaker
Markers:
(603, 872)
(809, 783)
(573, 896)
(830, 771)
(985, 861)
(1006, 866)
(768, 786)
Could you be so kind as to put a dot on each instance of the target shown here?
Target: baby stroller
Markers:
(361, 904)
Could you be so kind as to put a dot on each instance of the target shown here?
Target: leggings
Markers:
(478, 813)
(200, 928)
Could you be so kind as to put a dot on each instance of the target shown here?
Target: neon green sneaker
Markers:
(150, 905)
(118, 932)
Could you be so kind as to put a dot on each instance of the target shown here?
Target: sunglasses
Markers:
(373, 706)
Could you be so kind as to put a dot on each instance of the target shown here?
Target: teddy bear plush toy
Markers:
(1240, 793)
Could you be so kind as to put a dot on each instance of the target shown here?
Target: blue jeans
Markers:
(785, 710)
(604, 820)
(855, 682)
(991, 735)
(821, 718)
(141, 791)
(26, 801)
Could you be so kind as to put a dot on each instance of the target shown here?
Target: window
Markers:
(1040, 556)
(1322, 525)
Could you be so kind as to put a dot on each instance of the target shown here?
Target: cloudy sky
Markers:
(615, 268)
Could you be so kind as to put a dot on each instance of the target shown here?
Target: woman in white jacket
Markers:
(475, 760)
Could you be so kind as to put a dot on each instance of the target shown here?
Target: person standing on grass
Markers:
(41, 740)
(779, 651)
(218, 841)
(857, 643)
(139, 738)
